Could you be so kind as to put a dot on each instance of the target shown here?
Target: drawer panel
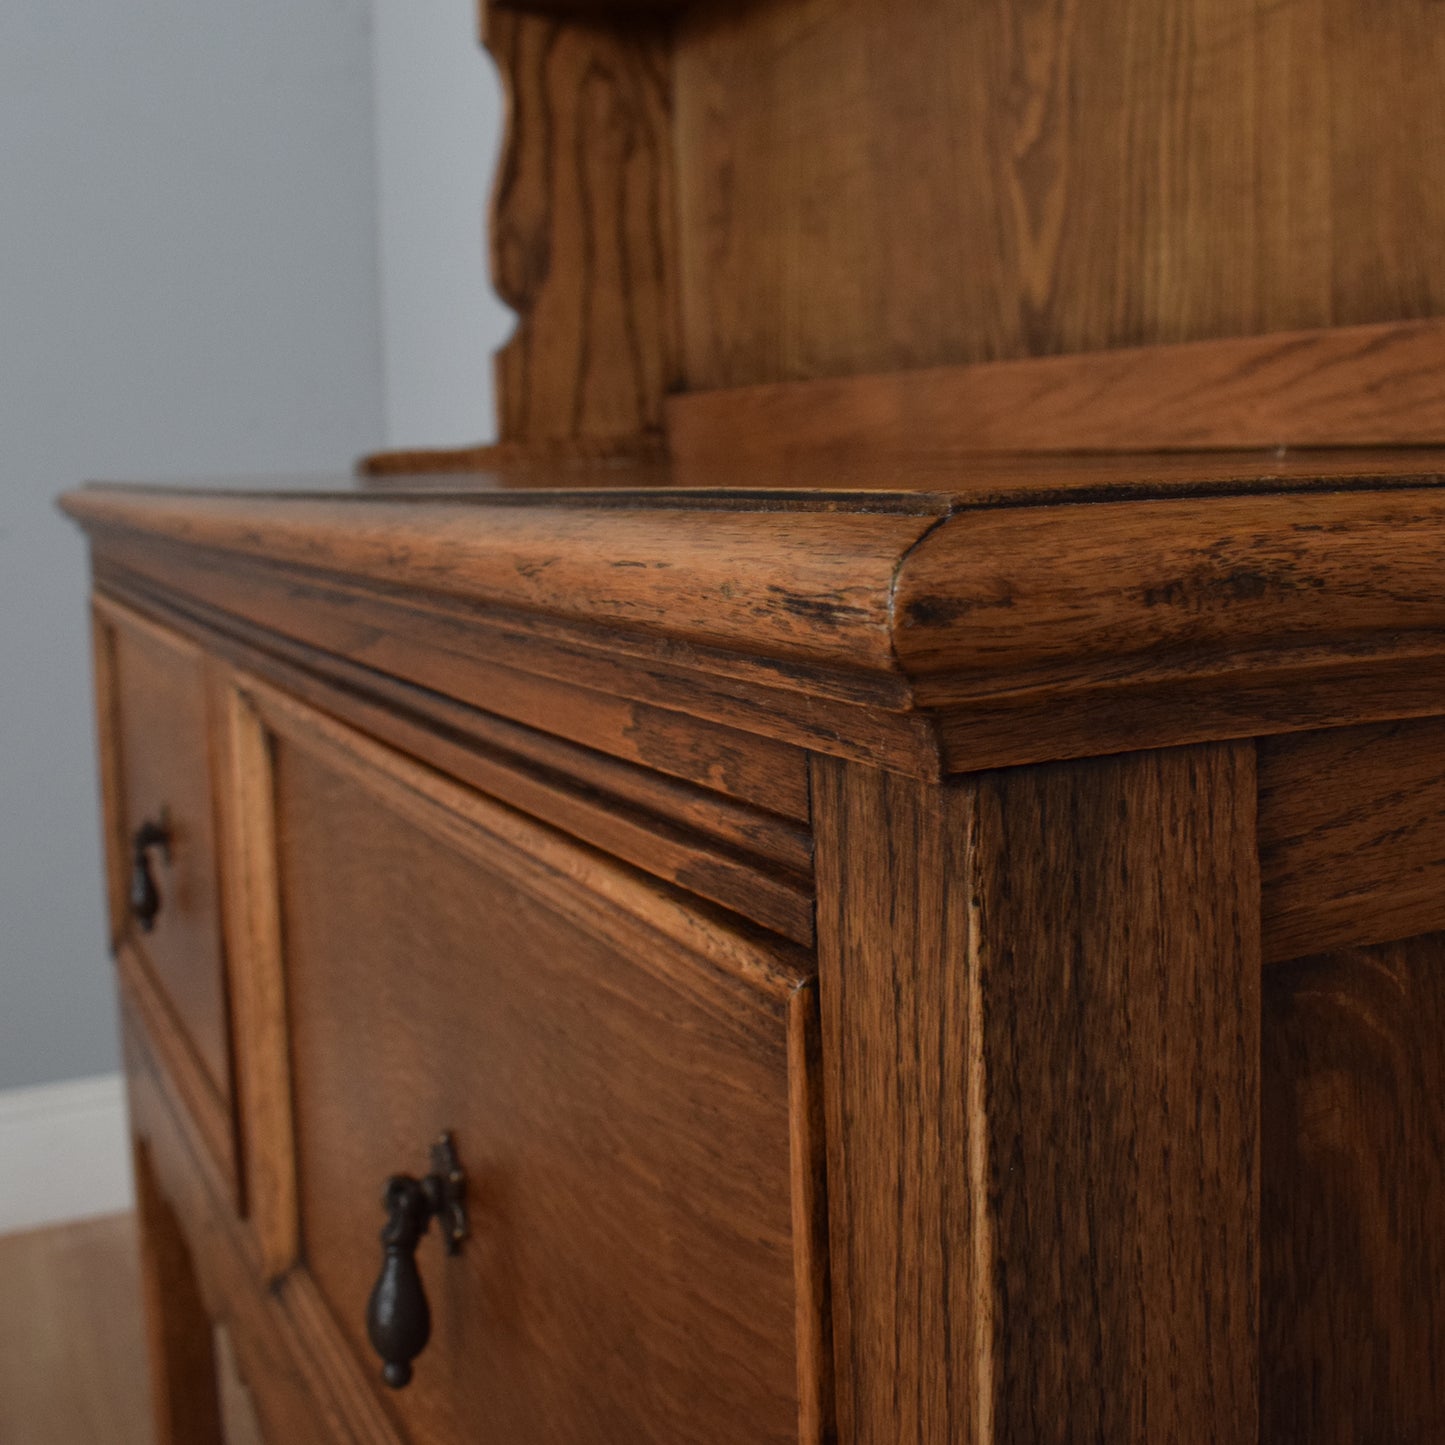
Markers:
(630, 1091)
(155, 751)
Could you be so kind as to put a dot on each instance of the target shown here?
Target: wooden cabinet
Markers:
(903, 850)
(1097, 1075)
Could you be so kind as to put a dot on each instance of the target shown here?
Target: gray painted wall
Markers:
(188, 285)
(438, 134)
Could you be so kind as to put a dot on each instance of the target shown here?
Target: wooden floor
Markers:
(72, 1348)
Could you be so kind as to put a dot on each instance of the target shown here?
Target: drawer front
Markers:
(155, 746)
(627, 1085)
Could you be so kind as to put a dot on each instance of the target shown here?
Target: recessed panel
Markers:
(622, 1114)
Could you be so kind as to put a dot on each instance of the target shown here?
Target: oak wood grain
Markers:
(772, 892)
(629, 909)
(1351, 836)
(161, 765)
(624, 1094)
(151, 680)
(1173, 579)
(635, 698)
(268, 1046)
(753, 862)
(655, 569)
(967, 631)
(868, 189)
(581, 240)
(253, 923)
(807, 1129)
(1170, 712)
(1345, 386)
(1353, 1317)
(1041, 1007)
(1228, 617)
(963, 585)
(211, 1120)
(661, 744)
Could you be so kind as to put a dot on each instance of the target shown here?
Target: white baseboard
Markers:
(64, 1152)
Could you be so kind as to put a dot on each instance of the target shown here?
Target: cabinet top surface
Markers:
(919, 484)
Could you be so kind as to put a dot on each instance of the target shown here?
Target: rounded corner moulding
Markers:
(1242, 580)
(810, 586)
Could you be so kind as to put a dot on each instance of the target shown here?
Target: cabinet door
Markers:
(626, 1079)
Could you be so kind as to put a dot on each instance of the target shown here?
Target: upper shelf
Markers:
(771, 194)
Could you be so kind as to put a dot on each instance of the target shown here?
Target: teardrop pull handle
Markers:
(398, 1318)
(145, 897)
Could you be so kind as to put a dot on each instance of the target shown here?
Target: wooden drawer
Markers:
(631, 1085)
(156, 766)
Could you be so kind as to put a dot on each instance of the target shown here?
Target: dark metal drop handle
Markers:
(398, 1318)
(145, 897)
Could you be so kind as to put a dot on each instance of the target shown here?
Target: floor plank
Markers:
(72, 1348)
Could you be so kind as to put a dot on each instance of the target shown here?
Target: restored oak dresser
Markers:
(875, 871)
